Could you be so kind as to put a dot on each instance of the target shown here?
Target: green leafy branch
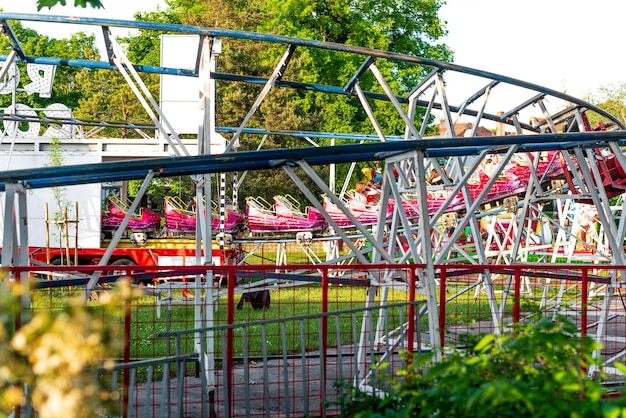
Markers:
(96, 4)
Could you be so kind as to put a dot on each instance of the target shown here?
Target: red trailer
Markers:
(158, 252)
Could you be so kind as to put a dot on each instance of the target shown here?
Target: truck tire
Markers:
(122, 273)
(59, 261)
(122, 262)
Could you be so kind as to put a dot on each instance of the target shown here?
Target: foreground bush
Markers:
(50, 363)
(539, 370)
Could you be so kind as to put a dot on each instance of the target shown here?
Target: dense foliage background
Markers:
(411, 27)
(536, 370)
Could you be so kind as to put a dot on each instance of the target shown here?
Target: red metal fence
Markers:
(294, 340)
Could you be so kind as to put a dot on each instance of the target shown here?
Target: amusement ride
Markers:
(542, 184)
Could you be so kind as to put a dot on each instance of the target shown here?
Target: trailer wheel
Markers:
(62, 261)
(54, 276)
(122, 262)
(122, 273)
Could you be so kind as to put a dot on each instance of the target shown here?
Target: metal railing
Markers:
(329, 329)
(290, 383)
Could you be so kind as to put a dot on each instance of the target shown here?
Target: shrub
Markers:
(51, 361)
(538, 370)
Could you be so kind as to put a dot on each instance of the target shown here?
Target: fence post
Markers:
(411, 318)
(442, 307)
(584, 301)
(324, 330)
(230, 349)
(126, 383)
(517, 284)
(583, 313)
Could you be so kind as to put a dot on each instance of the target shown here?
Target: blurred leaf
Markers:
(96, 4)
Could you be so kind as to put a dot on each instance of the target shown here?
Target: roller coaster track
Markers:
(530, 121)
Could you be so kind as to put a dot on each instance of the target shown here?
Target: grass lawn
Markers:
(287, 302)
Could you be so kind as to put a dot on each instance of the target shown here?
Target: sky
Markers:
(571, 46)
(113, 9)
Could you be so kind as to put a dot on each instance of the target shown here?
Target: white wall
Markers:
(180, 95)
(87, 196)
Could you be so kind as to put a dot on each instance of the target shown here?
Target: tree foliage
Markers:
(96, 4)
(65, 90)
(50, 361)
(411, 27)
(107, 97)
(611, 98)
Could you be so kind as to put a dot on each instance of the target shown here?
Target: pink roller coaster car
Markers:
(180, 219)
(145, 220)
(284, 216)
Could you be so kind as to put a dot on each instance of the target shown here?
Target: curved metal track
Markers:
(531, 123)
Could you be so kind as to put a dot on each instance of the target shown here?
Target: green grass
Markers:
(285, 303)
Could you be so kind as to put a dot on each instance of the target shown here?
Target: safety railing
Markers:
(296, 340)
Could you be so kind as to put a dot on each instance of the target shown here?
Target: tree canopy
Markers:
(411, 27)
(78, 46)
(611, 98)
(96, 4)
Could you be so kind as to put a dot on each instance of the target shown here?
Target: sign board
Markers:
(179, 94)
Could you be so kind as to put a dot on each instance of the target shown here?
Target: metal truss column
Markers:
(204, 305)
(15, 237)
(428, 275)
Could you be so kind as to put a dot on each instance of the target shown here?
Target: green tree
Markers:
(65, 89)
(411, 27)
(611, 98)
(107, 97)
(96, 4)
(51, 361)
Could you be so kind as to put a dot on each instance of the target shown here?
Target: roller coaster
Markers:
(545, 188)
